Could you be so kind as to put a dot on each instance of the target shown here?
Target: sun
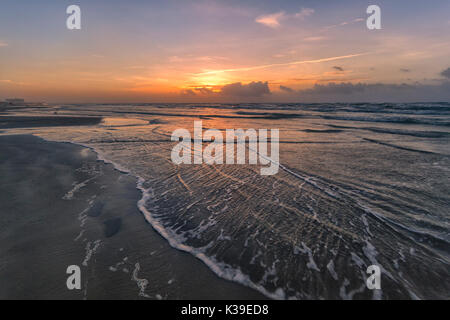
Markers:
(210, 80)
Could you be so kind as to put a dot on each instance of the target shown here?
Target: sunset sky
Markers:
(224, 51)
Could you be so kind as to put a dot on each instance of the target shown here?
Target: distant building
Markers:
(15, 101)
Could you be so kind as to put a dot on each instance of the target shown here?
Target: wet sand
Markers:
(8, 122)
(60, 206)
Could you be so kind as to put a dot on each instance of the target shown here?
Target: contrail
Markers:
(283, 64)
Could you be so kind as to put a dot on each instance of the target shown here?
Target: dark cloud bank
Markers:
(363, 92)
(446, 73)
(332, 92)
(238, 90)
(253, 89)
(378, 92)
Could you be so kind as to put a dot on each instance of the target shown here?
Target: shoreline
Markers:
(101, 218)
(224, 272)
(13, 122)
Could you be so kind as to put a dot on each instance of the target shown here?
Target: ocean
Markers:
(358, 185)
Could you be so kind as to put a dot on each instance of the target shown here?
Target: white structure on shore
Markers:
(15, 101)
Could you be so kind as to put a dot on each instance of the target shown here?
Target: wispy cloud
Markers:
(311, 39)
(190, 58)
(271, 20)
(283, 64)
(136, 67)
(11, 82)
(305, 12)
(345, 23)
(3, 44)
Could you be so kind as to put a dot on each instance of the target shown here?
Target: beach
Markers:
(62, 207)
(94, 186)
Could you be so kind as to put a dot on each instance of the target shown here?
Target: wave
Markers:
(412, 133)
(400, 147)
(221, 269)
(399, 120)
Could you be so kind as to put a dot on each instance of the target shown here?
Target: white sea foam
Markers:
(141, 283)
(311, 264)
(77, 186)
(349, 295)
(90, 251)
(176, 241)
(79, 235)
(82, 216)
(115, 267)
(330, 267)
(222, 237)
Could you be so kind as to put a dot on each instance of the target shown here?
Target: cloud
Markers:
(204, 90)
(331, 92)
(446, 73)
(286, 89)
(337, 88)
(284, 64)
(338, 68)
(314, 38)
(405, 70)
(271, 20)
(188, 92)
(3, 44)
(377, 92)
(11, 82)
(253, 89)
(345, 23)
(305, 12)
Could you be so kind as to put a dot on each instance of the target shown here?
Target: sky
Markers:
(225, 51)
